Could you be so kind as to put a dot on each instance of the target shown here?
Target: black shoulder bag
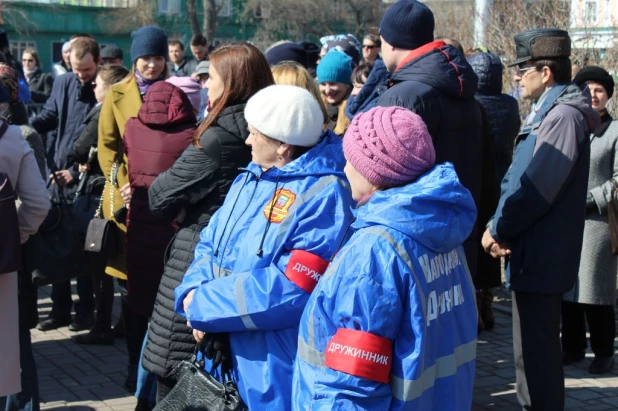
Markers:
(55, 253)
(198, 390)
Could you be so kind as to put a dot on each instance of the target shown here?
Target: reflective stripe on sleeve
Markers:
(241, 303)
(408, 390)
(309, 354)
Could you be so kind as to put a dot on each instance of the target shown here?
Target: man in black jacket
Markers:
(435, 81)
(64, 113)
(180, 64)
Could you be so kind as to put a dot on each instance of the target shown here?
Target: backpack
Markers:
(10, 244)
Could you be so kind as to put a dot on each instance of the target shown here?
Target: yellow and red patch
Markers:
(280, 205)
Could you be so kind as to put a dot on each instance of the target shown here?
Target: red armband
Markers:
(361, 354)
(305, 269)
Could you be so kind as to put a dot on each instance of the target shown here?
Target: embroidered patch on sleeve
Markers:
(361, 354)
(305, 269)
(277, 208)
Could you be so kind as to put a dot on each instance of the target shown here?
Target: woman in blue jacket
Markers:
(392, 323)
(264, 250)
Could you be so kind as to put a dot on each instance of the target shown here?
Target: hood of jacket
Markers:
(435, 210)
(574, 97)
(440, 66)
(164, 105)
(325, 158)
(488, 69)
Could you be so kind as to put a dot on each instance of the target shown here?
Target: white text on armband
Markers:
(441, 264)
(440, 303)
(358, 353)
(303, 269)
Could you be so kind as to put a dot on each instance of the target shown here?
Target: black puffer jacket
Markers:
(198, 183)
(502, 110)
(436, 82)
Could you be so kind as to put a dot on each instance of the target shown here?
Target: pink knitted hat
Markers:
(389, 146)
(190, 88)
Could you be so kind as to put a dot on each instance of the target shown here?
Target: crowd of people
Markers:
(325, 223)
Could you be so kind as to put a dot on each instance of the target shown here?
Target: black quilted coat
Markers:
(197, 182)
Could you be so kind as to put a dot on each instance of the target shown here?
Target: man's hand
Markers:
(83, 168)
(500, 250)
(63, 176)
(487, 241)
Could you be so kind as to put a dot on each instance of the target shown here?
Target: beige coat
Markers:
(122, 102)
(17, 160)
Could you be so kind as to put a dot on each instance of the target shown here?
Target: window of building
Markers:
(590, 12)
(225, 8)
(18, 47)
(169, 6)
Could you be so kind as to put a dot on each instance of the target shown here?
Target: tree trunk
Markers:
(192, 16)
(209, 28)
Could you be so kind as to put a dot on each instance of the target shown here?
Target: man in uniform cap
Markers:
(111, 54)
(539, 221)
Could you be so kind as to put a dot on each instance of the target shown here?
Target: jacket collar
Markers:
(547, 102)
(416, 53)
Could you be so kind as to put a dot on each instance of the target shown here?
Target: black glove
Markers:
(216, 347)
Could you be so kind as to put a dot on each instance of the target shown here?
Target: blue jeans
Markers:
(28, 398)
(146, 381)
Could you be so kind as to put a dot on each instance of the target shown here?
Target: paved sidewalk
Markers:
(91, 377)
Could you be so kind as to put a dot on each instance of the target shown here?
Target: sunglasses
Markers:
(366, 46)
(521, 71)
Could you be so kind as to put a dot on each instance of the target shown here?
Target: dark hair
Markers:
(176, 43)
(14, 113)
(363, 69)
(199, 40)
(560, 68)
(86, 45)
(34, 55)
(244, 71)
(113, 73)
(374, 38)
(452, 42)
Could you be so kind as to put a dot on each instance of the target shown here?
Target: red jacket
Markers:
(163, 129)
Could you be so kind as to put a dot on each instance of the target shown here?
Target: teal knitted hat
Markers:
(335, 67)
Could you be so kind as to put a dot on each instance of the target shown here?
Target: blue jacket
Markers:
(367, 98)
(502, 110)
(63, 115)
(436, 82)
(542, 204)
(258, 260)
(396, 305)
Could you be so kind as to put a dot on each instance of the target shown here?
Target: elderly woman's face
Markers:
(264, 150)
(599, 95)
(361, 187)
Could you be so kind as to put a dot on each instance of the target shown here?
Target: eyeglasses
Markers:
(367, 46)
(521, 71)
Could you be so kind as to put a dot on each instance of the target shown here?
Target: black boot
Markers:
(96, 336)
(602, 365)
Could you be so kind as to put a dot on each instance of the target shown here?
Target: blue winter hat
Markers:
(335, 67)
(408, 25)
(148, 41)
(287, 52)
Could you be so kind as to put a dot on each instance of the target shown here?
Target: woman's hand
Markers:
(125, 193)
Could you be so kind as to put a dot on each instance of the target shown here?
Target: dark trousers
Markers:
(601, 321)
(28, 398)
(537, 354)
(62, 301)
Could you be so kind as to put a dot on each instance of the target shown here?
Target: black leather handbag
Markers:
(10, 244)
(55, 253)
(196, 390)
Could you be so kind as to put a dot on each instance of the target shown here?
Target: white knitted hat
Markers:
(288, 114)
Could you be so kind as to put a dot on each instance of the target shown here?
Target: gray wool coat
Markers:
(596, 281)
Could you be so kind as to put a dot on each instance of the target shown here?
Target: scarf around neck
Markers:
(144, 84)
